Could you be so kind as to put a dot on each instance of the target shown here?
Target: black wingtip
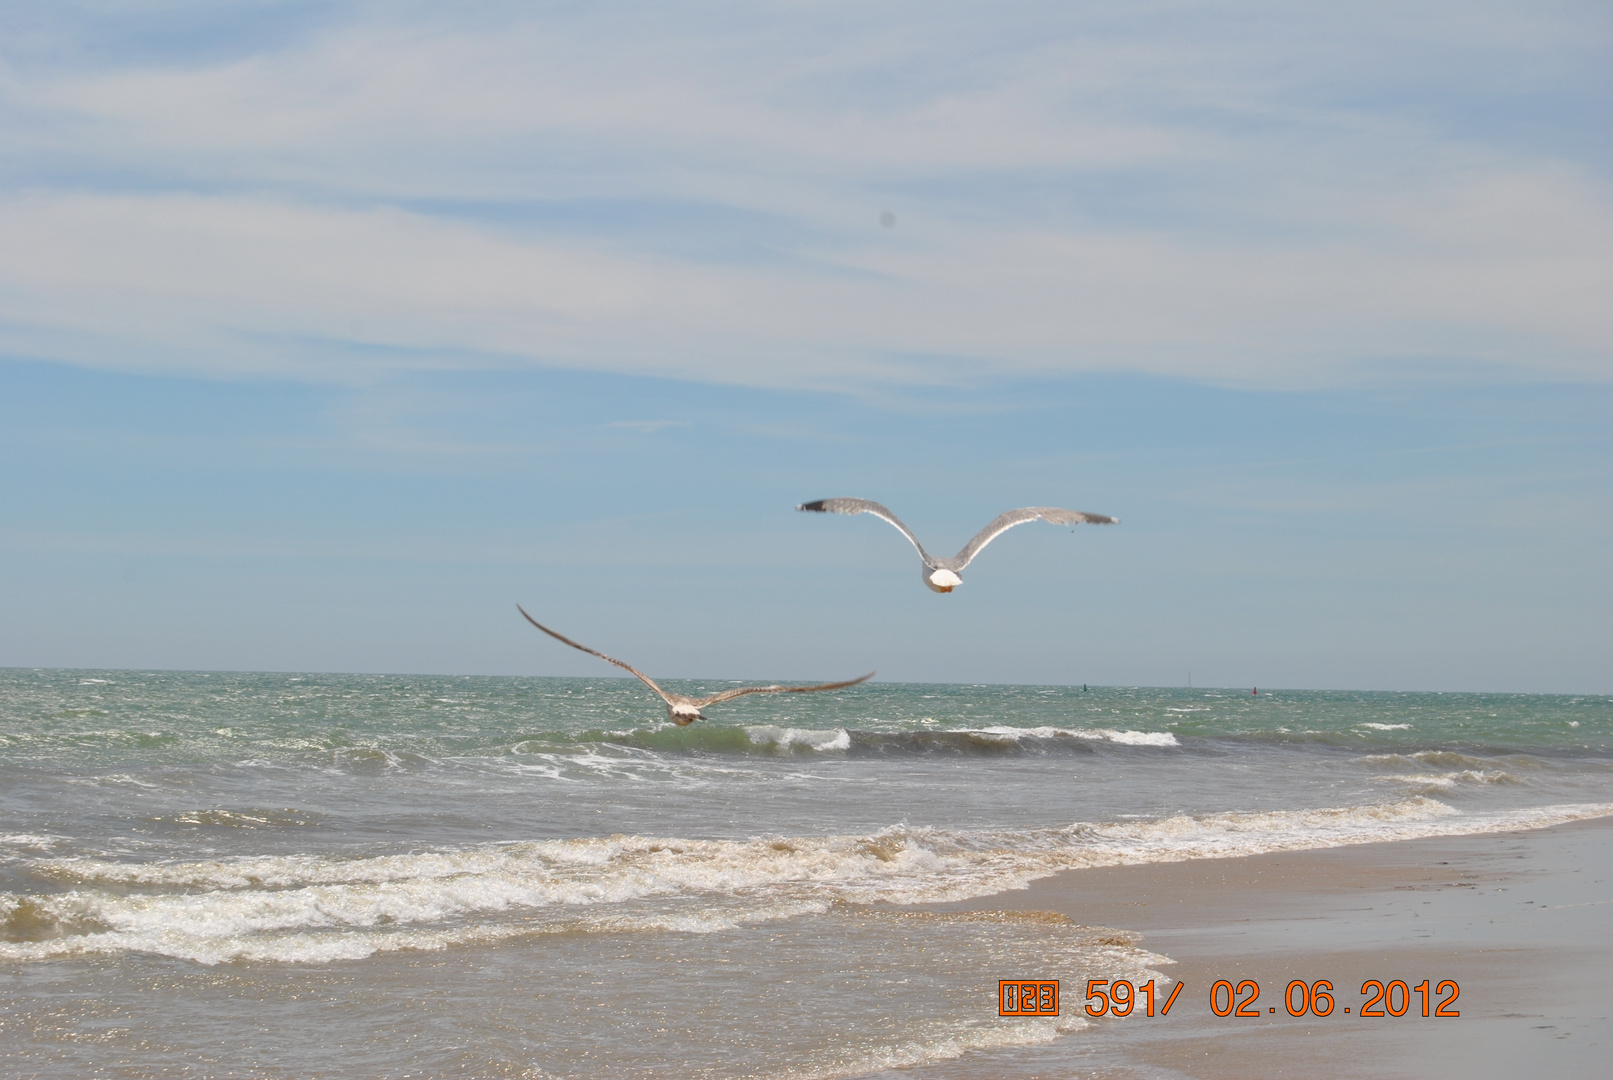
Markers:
(817, 506)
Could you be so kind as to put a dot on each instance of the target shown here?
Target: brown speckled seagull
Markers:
(941, 575)
(686, 710)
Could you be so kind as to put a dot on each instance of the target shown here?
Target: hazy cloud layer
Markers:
(1238, 193)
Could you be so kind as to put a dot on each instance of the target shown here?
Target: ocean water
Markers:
(220, 874)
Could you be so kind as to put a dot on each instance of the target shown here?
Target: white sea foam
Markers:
(803, 738)
(946, 1047)
(23, 845)
(112, 778)
(1450, 780)
(1444, 760)
(1142, 738)
(1384, 727)
(307, 907)
(37, 841)
(1129, 738)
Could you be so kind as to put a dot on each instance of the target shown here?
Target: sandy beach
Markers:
(1522, 922)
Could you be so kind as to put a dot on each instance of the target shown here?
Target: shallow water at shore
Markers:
(476, 876)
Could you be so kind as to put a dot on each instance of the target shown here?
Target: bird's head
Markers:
(941, 579)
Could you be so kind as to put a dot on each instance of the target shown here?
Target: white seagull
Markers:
(684, 711)
(941, 575)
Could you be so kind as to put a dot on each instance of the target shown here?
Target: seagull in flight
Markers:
(681, 710)
(941, 575)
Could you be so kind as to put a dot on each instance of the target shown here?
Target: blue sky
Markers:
(330, 331)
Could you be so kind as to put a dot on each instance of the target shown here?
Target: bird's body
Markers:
(941, 574)
(686, 710)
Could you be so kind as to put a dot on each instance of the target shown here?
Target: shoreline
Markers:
(1522, 922)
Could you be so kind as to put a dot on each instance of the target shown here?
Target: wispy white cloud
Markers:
(1226, 193)
(223, 285)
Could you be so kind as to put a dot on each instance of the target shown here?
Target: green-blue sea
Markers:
(212, 874)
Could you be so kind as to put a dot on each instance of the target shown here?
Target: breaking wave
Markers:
(309, 908)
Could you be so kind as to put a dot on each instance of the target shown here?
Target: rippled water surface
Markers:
(335, 875)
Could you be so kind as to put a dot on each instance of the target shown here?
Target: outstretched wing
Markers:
(1008, 520)
(729, 695)
(645, 679)
(866, 506)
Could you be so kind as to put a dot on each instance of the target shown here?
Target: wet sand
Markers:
(1522, 922)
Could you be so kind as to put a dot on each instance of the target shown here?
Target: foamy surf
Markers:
(292, 870)
(771, 739)
(1435, 783)
(311, 908)
(1124, 738)
(805, 739)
